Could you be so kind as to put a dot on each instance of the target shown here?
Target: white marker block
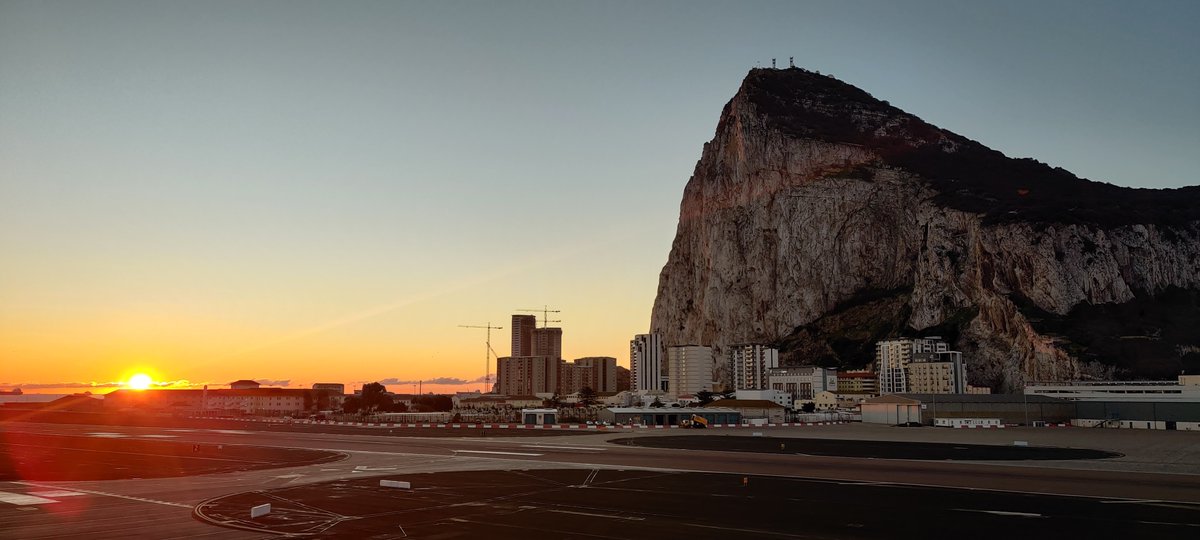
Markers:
(260, 510)
(756, 434)
(1020, 443)
(395, 484)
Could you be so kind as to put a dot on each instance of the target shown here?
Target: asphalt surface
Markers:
(867, 449)
(106, 456)
(162, 507)
(616, 504)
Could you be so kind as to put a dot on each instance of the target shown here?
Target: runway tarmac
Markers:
(170, 501)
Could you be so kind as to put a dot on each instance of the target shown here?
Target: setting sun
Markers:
(141, 381)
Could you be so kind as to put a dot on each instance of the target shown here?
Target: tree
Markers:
(808, 407)
(351, 404)
(704, 397)
(431, 402)
(374, 397)
(657, 404)
(587, 396)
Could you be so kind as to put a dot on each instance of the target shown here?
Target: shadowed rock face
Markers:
(820, 219)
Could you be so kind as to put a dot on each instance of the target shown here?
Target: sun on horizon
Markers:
(140, 381)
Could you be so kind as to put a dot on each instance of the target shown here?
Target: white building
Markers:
(690, 369)
(646, 371)
(777, 396)
(802, 382)
(1186, 389)
(937, 373)
(748, 365)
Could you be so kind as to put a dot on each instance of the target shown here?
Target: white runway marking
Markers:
(106, 494)
(106, 435)
(232, 431)
(21, 499)
(589, 514)
(591, 448)
(56, 493)
(1000, 512)
(496, 453)
(158, 436)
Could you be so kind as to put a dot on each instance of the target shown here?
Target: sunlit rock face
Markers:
(820, 219)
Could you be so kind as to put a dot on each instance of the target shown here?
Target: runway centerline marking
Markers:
(495, 452)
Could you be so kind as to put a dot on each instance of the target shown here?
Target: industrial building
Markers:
(896, 409)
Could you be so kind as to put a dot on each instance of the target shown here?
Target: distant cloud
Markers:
(453, 381)
(273, 382)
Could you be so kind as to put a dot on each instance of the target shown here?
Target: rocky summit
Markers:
(820, 220)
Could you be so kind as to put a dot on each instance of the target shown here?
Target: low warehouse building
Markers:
(896, 409)
(668, 416)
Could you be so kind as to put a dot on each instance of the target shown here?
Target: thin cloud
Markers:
(434, 380)
(181, 383)
(273, 382)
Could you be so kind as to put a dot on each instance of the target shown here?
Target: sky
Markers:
(323, 191)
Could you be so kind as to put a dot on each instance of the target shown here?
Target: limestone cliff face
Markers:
(813, 197)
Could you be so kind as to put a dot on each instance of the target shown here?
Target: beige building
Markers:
(596, 372)
(690, 368)
(937, 373)
(527, 375)
(547, 342)
(858, 382)
(266, 401)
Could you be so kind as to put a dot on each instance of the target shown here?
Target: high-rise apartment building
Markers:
(646, 371)
(596, 372)
(922, 365)
(522, 334)
(527, 375)
(749, 365)
(690, 369)
(892, 357)
(547, 342)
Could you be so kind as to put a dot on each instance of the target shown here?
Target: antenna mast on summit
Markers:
(773, 63)
(791, 62)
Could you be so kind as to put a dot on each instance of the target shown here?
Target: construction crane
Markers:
(545, 311)
(487, 353)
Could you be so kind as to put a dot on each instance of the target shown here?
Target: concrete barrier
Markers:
(260, 510)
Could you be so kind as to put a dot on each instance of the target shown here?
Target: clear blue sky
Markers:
(300, 184)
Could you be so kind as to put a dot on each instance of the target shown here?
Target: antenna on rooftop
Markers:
(791, 62)
(772, 63)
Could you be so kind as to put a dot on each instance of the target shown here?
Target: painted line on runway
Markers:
(56, 493)
(496, 453)
(590, 514)
(21, 499)
(591, 448)
(1000, 512)
(106, 494)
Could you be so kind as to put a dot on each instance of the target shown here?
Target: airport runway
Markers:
(161, 508)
